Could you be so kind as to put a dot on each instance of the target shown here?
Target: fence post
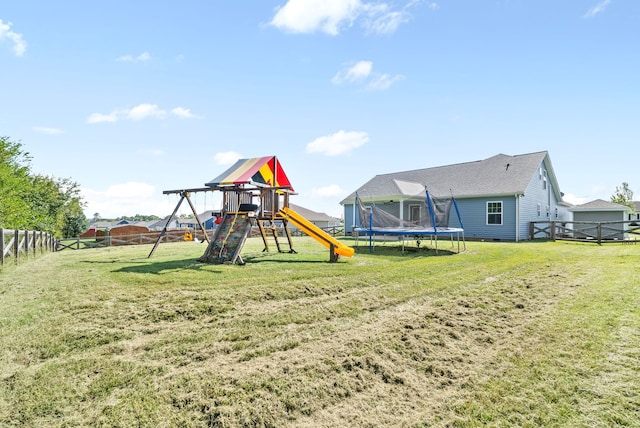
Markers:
(553, 230)
(599, 233)
(16, 245)
(1, 246)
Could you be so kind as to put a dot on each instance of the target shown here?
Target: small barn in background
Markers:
(600, 211)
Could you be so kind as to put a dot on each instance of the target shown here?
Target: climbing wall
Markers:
(228, 240)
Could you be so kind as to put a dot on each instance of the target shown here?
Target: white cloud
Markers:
(309, 16)
(380, 19)
(102, 118)
(144, 56)
(143, 111)
(356, 73)
(47, 131)
(380, 82)
(328, 191)
(184, 113)
(362, 72)
(126, 199)
(339, 143)
(226, 158)
(331, 16)
(139, 112)
(19, 45)
(600, 7)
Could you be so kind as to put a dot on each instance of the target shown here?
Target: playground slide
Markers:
(316, 233)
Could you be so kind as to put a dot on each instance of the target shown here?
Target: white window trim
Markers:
(501, 213)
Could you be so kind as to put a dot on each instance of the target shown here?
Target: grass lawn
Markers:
(503, 334)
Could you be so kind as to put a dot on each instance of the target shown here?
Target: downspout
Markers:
(517, 217)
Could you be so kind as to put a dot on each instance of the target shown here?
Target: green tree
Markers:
(36, 202)
(14, 185)
(74, 222)
(623, 196)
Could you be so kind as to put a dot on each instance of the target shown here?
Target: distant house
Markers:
(96, 226)
(497, 197)
(322, 220)
(160, 224)
(207, 219)
(598, 211)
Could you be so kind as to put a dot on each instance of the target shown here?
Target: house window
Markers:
(544, 180)
(539, 210)
(494, 212)
(414, 213)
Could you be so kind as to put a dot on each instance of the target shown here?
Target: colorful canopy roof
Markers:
(262, 172)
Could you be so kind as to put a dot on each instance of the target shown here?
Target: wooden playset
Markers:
(255, 193)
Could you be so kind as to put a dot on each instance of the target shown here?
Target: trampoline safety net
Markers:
(435, 214)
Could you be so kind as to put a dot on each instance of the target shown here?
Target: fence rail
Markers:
(19, 244)
(586, 231)
(151, 238)
(118, 240)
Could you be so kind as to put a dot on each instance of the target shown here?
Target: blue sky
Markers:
(130, 98)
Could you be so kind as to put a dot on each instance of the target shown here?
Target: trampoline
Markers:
(376, 222)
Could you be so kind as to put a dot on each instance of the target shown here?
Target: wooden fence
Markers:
(152, 237)
(118, 240)
(21, 244)
(586, 231)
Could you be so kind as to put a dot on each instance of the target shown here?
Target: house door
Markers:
(414, 213)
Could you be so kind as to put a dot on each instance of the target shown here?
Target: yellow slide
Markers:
(316, 233)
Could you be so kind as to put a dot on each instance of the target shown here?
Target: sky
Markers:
(132, 98)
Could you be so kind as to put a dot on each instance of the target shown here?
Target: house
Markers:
(322, 220)
(95, 227)
(160, 224)
(207, 219)
(598, 211)
(497, 197)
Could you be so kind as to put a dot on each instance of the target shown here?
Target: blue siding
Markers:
(474, 218)
(539, 203)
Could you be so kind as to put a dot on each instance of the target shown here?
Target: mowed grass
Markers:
(503, 334)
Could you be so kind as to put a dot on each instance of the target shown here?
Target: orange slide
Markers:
(316, 233)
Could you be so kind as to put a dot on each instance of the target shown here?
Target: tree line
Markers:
(39, 202)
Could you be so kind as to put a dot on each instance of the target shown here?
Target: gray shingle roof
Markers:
(600, 205)
(311, 215)
(498, 175)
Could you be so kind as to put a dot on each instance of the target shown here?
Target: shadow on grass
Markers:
(397, 250)
(263, 259)
(162, 267)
